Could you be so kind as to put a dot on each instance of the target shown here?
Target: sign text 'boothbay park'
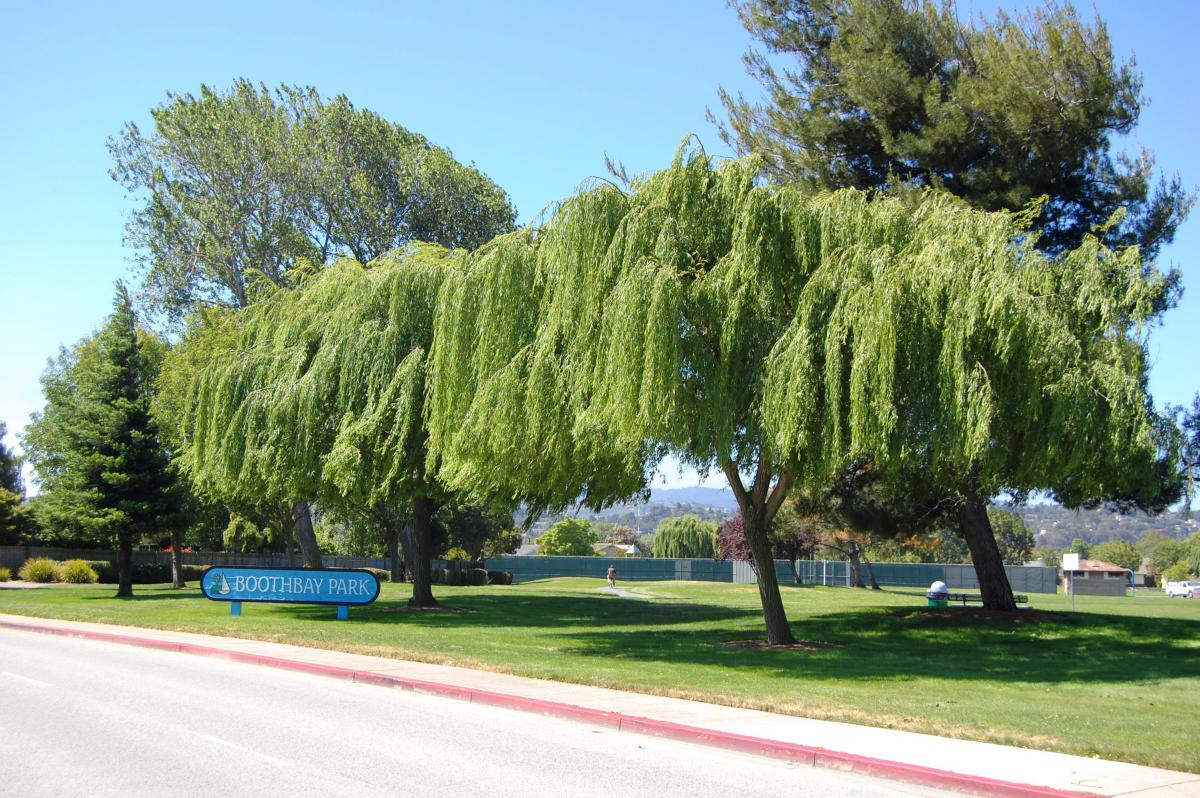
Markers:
(342, 587)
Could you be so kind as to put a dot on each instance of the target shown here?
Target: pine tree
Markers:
(95, 446)
(15, 519)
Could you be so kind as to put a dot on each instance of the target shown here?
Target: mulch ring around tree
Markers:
(763, 645)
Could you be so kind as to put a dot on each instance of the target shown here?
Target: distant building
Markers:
(528, 550)
(614, 550)
(1096, 578)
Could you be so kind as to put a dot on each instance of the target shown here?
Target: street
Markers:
(87, 718)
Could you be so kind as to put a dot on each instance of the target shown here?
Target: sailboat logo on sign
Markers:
(219, 585)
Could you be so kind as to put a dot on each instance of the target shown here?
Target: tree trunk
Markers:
(870, 572)
(302, 517)
(985, 554)
(125, 565)
(852, 551)
(422, 542)
(176, 561)
(778, 630)
(395, 561)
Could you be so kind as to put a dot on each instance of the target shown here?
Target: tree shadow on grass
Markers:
(465, 611)
(896, 643)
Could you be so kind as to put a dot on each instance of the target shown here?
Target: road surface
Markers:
(88, 718)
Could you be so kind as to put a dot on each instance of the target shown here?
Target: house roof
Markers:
(1100, 566)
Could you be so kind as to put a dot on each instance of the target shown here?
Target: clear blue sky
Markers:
(534, 93)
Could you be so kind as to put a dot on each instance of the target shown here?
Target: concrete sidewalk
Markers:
(981, 768)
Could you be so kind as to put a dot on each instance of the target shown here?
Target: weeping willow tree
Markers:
(781, 336)
(321, 393)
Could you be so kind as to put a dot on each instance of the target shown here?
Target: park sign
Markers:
(339, 586)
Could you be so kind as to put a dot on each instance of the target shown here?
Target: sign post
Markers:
(342, 587)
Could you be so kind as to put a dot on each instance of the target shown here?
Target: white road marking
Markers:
(280, 763)
(34, 682)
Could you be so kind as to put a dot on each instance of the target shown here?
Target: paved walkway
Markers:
(982, 768)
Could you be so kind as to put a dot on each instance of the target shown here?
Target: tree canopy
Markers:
(320, 392)
(239, 187)
(685, 536)
(779, 335)
(101, 467)
(15, 517)
(868, 93)
(570, 537)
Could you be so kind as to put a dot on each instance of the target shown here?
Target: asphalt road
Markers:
(88, 718)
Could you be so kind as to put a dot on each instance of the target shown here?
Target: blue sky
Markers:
(534, 93)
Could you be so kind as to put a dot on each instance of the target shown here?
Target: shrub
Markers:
(500, 577)
(77, 572)
(5, 574)
(475, 577)
(1177, 572)
(383, 574)
(192, 573)
(457, 554)
(106, 571)
(455, 577)
(39, 569)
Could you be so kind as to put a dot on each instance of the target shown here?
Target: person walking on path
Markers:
(612, 575)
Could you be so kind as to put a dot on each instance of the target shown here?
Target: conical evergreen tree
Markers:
(95, 446)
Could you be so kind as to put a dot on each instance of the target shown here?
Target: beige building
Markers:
(1096, 578)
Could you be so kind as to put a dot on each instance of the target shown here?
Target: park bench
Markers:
(963, 598)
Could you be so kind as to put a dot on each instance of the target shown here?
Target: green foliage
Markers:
(324, 395)
(243, 186)
(39, 569)
(77, 572)
(500, 577)
(1191, 553)
(622, 536)
(5, 574)
(1118, 552)
(1165, 553)
(1049, 556)
(1003, 112)
(685, 536)
(570, 537)
(382, 574)
(16, 517)
(505, 541)
(455, 554)
(775, 332)
(103, 473)
(1012, 536)
(1178, 572)
(471, 527)
(475, 577)
(242, 535)
(1081, 547)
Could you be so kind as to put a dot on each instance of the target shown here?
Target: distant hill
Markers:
(1054, 525)
(718, 498)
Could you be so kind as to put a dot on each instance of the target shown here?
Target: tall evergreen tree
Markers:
(15, 518)
(95, 447)
(864, 93)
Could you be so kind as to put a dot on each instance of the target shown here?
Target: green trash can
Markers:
(938, 594)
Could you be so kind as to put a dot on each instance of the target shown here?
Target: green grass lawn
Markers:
(1118, 678)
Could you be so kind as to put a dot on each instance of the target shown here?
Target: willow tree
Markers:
(780, 336)
(321, 393)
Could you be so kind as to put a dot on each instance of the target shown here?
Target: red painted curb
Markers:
(795, 752)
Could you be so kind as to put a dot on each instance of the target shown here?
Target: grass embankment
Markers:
(1119, 678)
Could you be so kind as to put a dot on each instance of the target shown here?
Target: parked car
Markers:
(1189, 589)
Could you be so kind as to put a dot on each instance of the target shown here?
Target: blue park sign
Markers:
(340, 586)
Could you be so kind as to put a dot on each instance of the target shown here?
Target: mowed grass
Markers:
(1118, 678)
